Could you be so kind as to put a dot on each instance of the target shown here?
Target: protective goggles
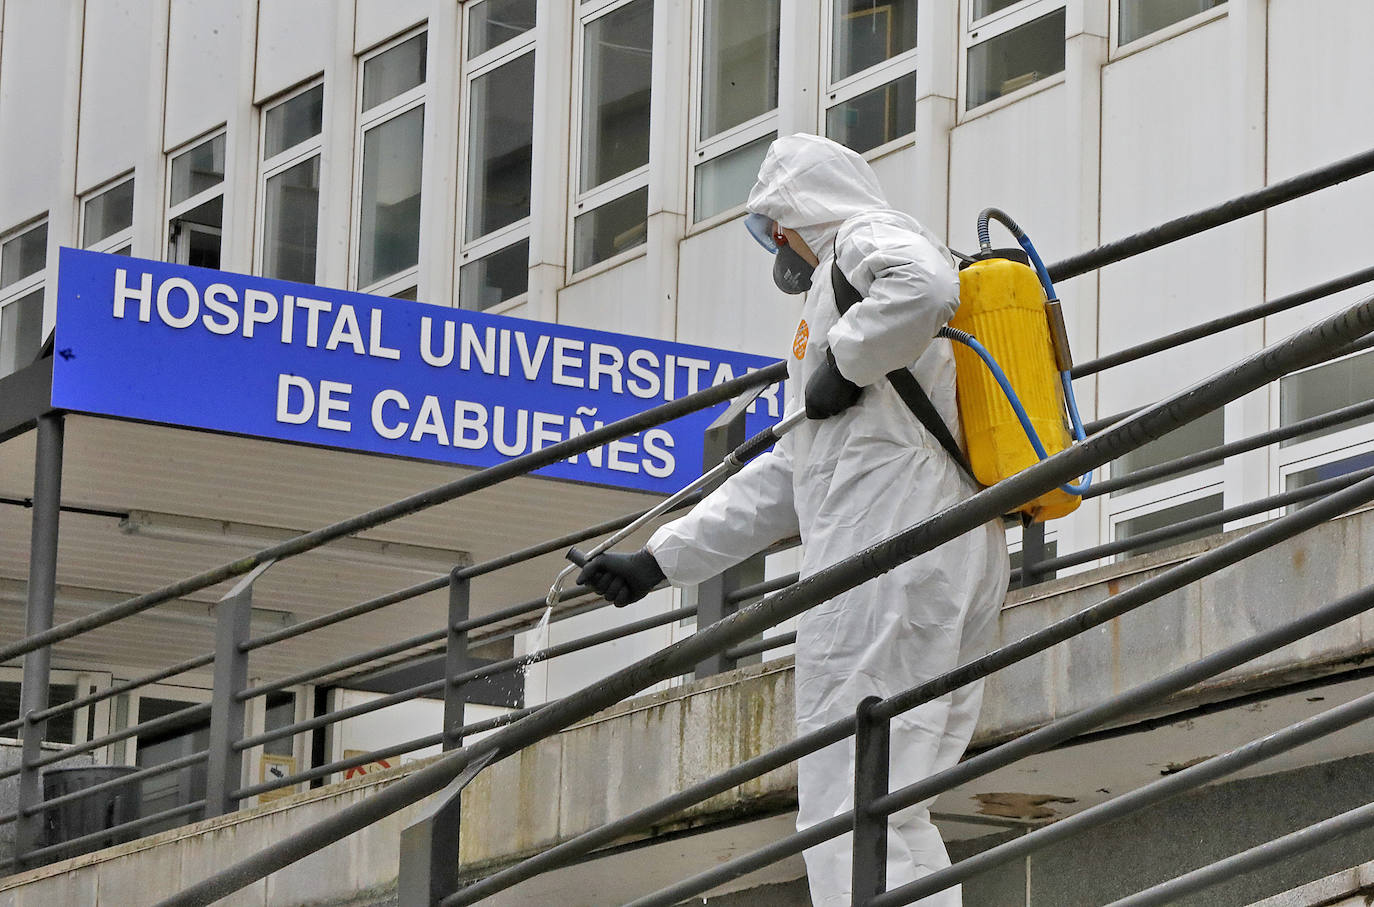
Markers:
(761, 227)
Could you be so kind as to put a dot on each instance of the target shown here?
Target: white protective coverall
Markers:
(849, 481)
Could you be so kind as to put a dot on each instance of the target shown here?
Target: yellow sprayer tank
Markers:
(1002, 304)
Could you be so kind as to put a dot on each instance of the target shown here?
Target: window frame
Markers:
(175, 212)
(705, 151)
(278, 164)
(1186, 24)
(119, 240)
(83, 680)
(1118, 515)
(580, 202)
(25, 285)
(1307, 452)
(834, 93)
(991, 27)
(365, 121)
(471, 250)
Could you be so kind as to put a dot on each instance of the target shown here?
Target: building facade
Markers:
(587, 162)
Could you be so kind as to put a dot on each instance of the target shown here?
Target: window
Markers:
(107, 218)
(195, 198)
(1323, 389)
(871, 77)
(23, 257)
(391, 135)
(612, 195)
(498, 78)
(736, 110)
(1143, 17)
(1134, 526)
(1198, 435)
(1327, 469)
(289, 186)
(1014, 53)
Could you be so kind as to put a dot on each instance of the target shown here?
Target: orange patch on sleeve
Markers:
(799, 342)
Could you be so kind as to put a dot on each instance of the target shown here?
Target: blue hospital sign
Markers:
(226, 352)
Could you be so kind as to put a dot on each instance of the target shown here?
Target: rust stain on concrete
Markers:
(1019, 806)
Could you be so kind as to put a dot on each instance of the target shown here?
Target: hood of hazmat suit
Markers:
(849, 481)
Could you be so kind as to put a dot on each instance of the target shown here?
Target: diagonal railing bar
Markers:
(1295, 352)
(1234, 209)
(408, 746)
(486, 670)
(1242, 445)
(560, 544)
(1037, 741)
(190, 713)
(1226, 322)
(1204, 521)
(1191, 778)
(1259, 857)
(53, 850)
(458, 488)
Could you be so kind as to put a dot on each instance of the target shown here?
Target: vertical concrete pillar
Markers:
(669, 124)
(336, 164)
(439, 186)
(1085, 54)
(937, 90)
(1247, 477)
(553, 74)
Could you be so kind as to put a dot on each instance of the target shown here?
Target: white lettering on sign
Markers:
(507, 420)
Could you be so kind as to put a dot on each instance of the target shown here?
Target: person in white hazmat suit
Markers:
(860, 470)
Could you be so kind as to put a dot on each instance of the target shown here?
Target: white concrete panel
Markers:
(202, 66)
(379, 20)
(1012, 159)
(897, 174)
(1318, 113)
(1166, 151)
(726, 294)
(614, 300)
(32, 83)
(293, 43)
(118, 63)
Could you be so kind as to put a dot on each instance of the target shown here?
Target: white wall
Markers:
(115, 83)
(203, 60)
(295, 40)
(34, 74)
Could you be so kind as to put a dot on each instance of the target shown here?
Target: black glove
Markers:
(622, 579)
(829, 393)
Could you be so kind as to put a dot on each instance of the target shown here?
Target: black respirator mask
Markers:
(791, 272)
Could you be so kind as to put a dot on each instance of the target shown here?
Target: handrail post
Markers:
(429, 845)
(712, 596)
(872, 753)
(224, 767)
(456, 659)
(38, 617)
(1032, 553)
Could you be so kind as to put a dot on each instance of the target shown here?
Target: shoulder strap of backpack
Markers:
(901, 379)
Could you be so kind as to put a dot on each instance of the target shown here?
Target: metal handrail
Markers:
(1224, 323)
(1242, 445)
(1257, 857)
(1114, 606)
(486, 670)
(1037, 741)
(520, 556)
(1191, 778)
(485, 478)
(1231, 210)
(190, 713)
(1230, 384)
